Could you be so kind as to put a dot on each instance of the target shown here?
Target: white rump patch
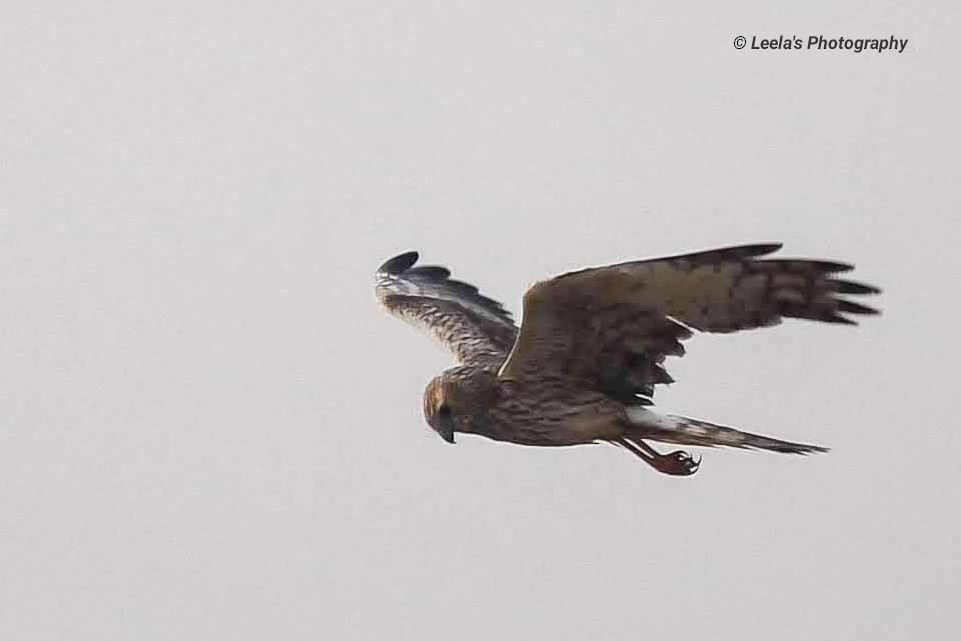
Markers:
(646, 417)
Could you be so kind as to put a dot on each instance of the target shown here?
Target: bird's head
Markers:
(458, 401)
(441, 408)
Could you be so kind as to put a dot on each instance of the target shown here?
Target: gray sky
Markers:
(211, 432)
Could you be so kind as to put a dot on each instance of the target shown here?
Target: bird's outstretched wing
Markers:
(614, 325)
(476, 329)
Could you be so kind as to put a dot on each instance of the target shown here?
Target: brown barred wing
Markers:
(615, 348)
(614, 325)
(730, 289)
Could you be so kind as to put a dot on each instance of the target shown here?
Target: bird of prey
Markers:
(584, 363)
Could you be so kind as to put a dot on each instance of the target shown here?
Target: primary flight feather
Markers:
(583, 366)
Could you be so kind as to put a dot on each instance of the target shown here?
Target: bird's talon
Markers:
(678, 463)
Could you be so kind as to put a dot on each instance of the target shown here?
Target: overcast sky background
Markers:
(210, 431)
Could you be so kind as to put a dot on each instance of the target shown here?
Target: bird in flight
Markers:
(584, 363)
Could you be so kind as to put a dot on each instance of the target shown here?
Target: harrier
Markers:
(584, 363)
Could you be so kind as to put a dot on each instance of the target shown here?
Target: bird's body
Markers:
(548, 411)
(583, 365)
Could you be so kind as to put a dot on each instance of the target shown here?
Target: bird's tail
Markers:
(688, 431)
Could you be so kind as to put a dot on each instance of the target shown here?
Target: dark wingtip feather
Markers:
(760, 249)
(829, 266)
(399, 264)
(806, 265)
(743, 251)
(402, 267)
(434, 272)
(850, 307)
(852, 287)
(837, 319)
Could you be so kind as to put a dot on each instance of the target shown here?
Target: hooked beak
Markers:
(446, 429)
